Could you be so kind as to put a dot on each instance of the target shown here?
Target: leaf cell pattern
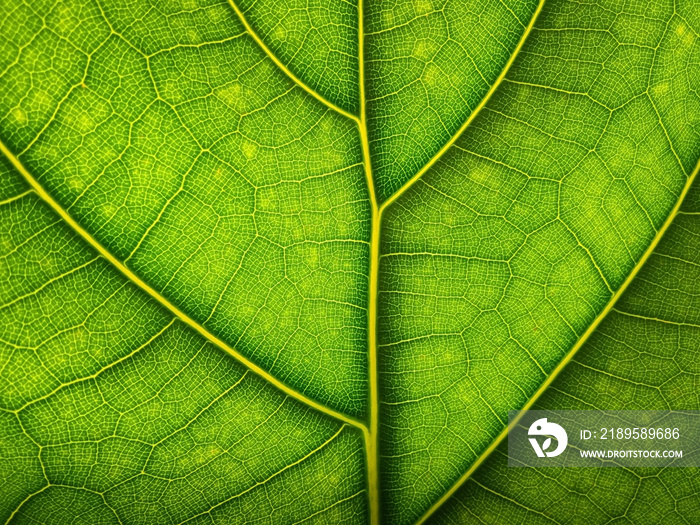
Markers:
(289, 262)
(642, 357)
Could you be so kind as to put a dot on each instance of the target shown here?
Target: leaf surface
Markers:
(295, 261)
(500, 259)
(642, 357)
(115, 411)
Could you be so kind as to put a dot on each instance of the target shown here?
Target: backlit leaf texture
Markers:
(294, 262)
(644, 356)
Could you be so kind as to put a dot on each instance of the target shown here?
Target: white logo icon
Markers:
(542, 428)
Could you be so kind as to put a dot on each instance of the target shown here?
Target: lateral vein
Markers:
(472, 115)
(132, 277)
(570, 355)
(286, 70)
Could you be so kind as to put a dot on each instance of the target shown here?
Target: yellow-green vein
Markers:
(372, 436)
(285, 69)
(471, 117)
(279, 472)
(570, 355)
(131, 276)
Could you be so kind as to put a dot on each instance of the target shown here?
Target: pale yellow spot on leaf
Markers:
(46, 264)
(280, 32)
(432, 74)
(108, 209)
(76, 183)
(42, 98)
(193, 36)
(424, 49)
(479, 174)
(249, 149)
(20, 116)
(388, 19)
(423, 6)
(660, 89)
(84, 123)
(216, 15)
(687, 37)
(5, 244)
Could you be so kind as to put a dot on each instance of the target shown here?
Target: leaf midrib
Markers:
(377, 212)
(370, 432)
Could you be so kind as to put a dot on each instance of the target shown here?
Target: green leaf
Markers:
(643, 356)
(295, 261)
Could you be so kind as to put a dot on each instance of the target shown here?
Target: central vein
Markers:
(372, 433)
(371, 437)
